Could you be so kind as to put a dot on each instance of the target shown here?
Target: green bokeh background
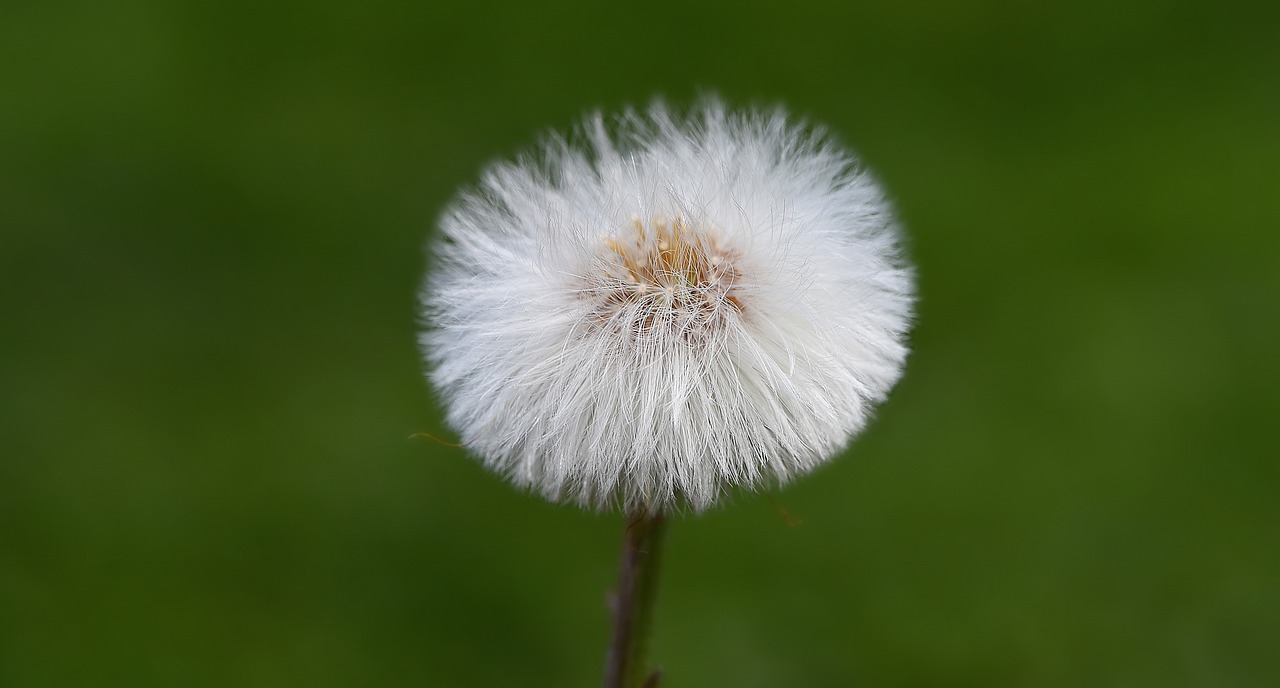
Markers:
(212, 219)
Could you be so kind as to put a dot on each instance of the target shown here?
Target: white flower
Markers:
(651, 313)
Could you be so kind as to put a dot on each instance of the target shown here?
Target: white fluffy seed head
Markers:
(667, 307)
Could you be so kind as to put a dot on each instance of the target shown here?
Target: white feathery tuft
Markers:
(668, 308)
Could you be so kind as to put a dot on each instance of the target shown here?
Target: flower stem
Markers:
(628, 662)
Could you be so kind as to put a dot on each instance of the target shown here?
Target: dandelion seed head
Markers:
(665, 308)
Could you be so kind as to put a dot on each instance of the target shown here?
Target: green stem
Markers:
(633, 602)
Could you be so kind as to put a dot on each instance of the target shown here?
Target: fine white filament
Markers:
(664, 307)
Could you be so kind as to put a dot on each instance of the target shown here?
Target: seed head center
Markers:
(667, 271)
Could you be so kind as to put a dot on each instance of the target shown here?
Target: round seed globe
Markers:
(664, 307)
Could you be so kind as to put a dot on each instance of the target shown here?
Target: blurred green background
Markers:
(212, 219)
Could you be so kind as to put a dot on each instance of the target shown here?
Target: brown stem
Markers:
(627, 663)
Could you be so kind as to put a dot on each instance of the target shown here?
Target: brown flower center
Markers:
(666, 273)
